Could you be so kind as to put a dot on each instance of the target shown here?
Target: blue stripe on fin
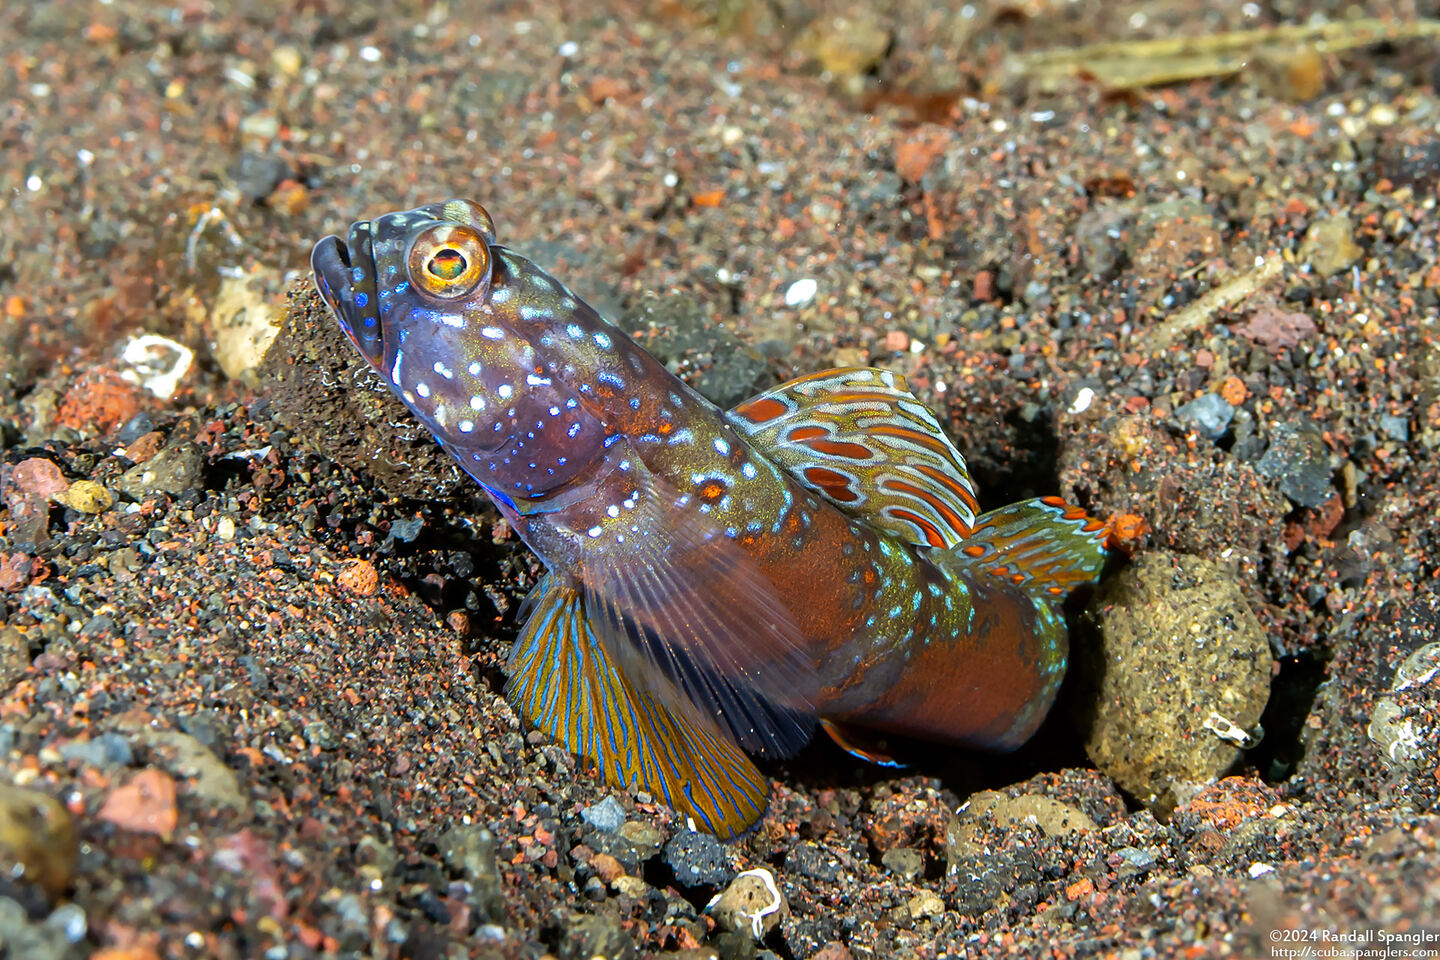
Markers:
(563, 682)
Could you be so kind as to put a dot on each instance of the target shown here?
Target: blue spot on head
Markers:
(369, 321)
(610, 440)
(362, 300)
(357, 274)
(402, 286)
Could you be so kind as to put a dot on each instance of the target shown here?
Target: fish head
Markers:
(431, 302)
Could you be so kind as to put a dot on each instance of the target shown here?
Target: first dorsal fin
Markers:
(562, 681)
(859, 438)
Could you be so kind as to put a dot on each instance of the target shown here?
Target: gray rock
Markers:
(646, 838)
(812, 860)
(14, 657)
(1210, 414)
(607, 815)
(1396, 428)
(698, 859)
(106, 750)
(591, 937)
(906, 863)
(1134, 861)
(256, 175)
(469, 849)
(1297, 457)
(135, 428)
(22, 939)
(174, 470)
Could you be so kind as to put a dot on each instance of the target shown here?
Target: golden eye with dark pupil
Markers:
(447, 264)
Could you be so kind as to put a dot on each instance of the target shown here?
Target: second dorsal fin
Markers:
(859, 438)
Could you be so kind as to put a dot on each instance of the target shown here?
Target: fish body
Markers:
(720, 582)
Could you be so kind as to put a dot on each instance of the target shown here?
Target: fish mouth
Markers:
(345, 277)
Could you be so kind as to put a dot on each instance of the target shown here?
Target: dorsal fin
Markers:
(1044, 546)
(859, 438)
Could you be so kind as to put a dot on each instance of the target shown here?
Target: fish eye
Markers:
(448, 260)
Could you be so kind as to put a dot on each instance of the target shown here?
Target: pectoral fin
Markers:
(563, 682)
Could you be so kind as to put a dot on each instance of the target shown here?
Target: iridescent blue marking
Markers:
(362, 300)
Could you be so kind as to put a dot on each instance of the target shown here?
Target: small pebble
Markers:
(698, 859)
(145, 804)
(87, 496)
(752, 903)
(801, 292)
(607, 815)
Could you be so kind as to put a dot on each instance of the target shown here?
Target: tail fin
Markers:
(1044, 546)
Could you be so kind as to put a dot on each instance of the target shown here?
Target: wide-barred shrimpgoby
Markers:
(720, 582)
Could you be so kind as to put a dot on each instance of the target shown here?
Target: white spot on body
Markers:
(422, 388)
(505, 390)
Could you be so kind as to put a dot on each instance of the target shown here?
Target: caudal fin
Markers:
(1044, 546)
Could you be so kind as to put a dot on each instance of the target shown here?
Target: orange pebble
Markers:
(360, 577)
(1233, 391)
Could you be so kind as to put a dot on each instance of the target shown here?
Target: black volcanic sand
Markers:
(253, 625)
